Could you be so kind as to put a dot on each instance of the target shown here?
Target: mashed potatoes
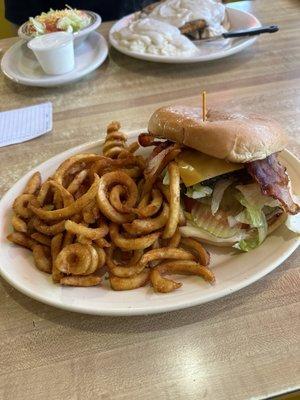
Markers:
(151, 36)
(179, 12)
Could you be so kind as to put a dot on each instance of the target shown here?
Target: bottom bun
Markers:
(207, 238)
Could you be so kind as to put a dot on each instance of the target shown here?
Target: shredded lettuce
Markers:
(256, 238)
(68, 20)
(251, 198)
(218, 193)
(198, 191)
(252, 193)
(38, 26)
(66, 24)
(240, 218)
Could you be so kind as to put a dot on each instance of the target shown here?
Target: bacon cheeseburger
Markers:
(234, 189)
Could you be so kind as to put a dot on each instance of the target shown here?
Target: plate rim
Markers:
(129, 311)
(59, 79)
(185, 60)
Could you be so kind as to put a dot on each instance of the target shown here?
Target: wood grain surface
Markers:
(245, 346)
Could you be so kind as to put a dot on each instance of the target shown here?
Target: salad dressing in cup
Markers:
(54, 52)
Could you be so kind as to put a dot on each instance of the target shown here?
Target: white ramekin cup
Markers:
(54, 51)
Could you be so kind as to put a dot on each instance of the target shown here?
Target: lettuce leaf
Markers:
(257, 236)
(251, 198)
(38, 26)
(239, 218)
(198, 191)
(254, 197)
(218, 193)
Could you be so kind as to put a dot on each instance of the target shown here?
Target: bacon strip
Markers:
(147, 140)
(273, 181)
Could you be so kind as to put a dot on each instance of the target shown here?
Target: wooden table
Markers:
(240, 347)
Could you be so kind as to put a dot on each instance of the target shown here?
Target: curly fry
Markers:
(21, 205)
(68, 239)
(172, 223)
(57, 200)
(132, 267)
(94, 260)
(164, 285)
(161, 284)
(70, 210)
(114, 141)
(166, 253)
(175, 239)
(145, 210)
(83, 281)
(131, 243)
(21, 239)
(74, 259)
(18, 224)
(67, 165)
(77, 181)
(133, 282)
(43, 239)
(187, 268)
(131, 149)
(166, 192)
(147, 225)
(56, 246)
(65, 196)
(89, 233)
(193, 244)
(34, 184)
(102, 243)
(42, 258)
(49, 230)
(114, 178)
(101, 257)
(116, 195)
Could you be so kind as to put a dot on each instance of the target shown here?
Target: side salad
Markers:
(68, 20)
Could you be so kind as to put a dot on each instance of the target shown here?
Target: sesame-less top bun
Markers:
(231, 136)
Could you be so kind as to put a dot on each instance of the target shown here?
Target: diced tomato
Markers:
(51, 26)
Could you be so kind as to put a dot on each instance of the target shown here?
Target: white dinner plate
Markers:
(233, 270)
(208, 51)
(20, 64)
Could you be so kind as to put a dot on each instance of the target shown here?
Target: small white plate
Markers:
(233, 270)
(208, 51)
(20, 65)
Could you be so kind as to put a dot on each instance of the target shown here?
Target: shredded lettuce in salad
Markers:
(68, 20)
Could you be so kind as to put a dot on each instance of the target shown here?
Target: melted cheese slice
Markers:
(195, 167)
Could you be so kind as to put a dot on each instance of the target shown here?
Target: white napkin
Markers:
(26, 123)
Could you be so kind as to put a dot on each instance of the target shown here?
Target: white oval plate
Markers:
(233, 270)
(209, 50)
(20, 64)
